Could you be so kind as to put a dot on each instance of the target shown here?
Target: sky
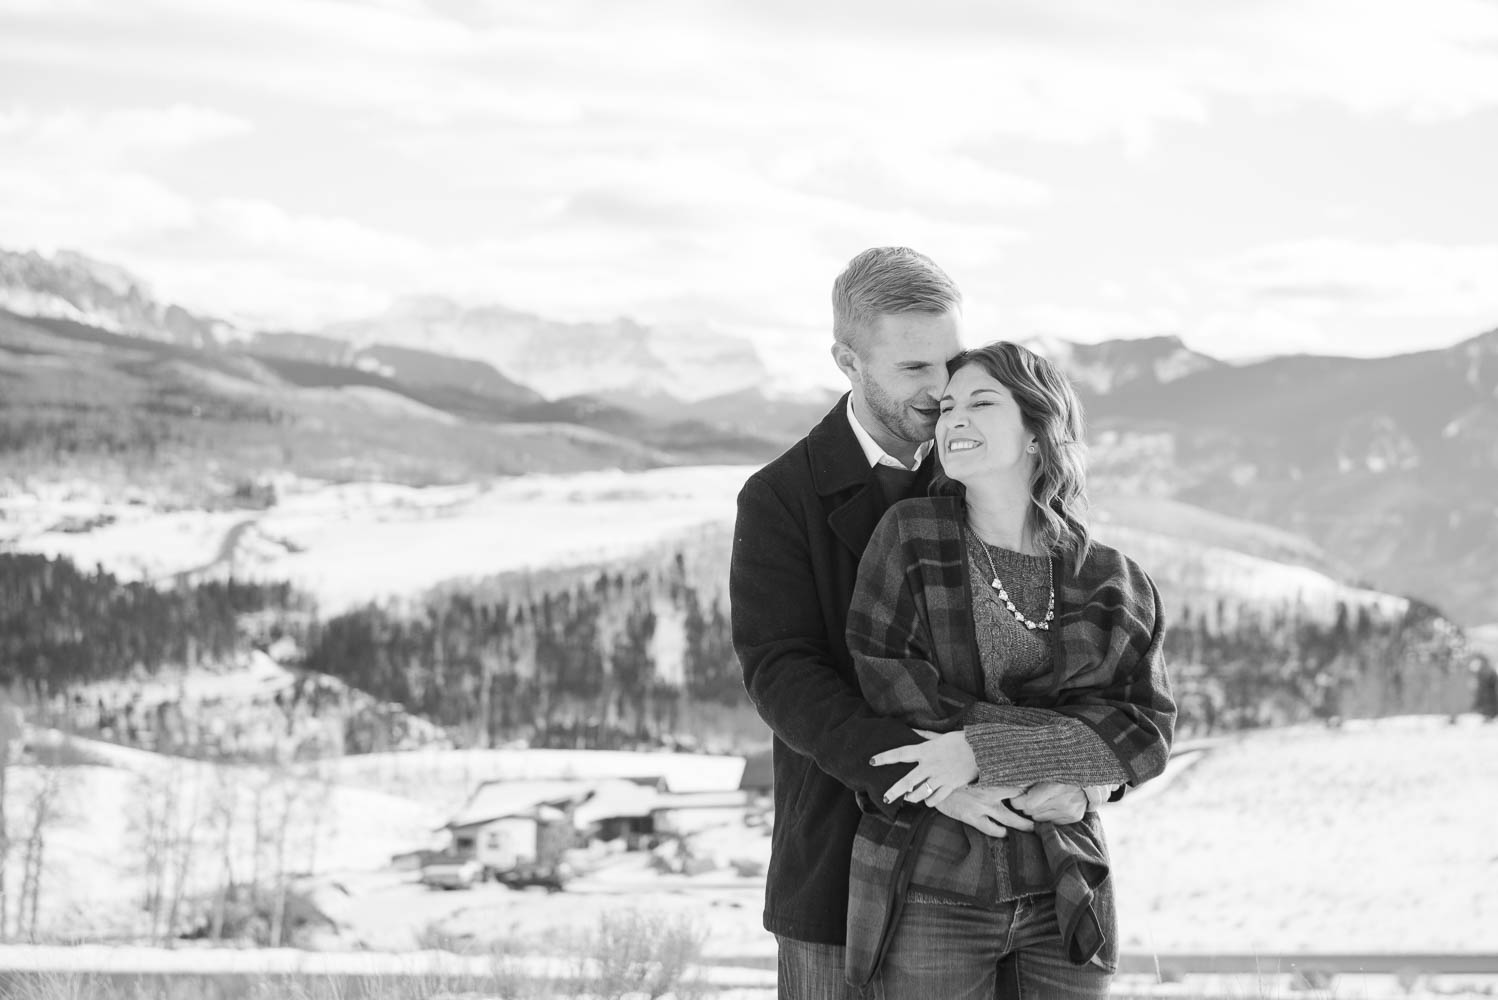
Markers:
(1255, 177)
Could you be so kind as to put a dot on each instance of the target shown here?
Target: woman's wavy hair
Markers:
(1050, 410)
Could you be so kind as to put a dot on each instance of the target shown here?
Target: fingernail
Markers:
(871, 760)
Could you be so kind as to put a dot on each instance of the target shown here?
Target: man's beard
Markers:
(897, 416)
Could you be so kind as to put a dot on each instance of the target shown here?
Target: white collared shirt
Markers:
(877, 455)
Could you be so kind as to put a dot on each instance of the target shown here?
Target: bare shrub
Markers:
(635, 952)
(434, 937)
(54, 986)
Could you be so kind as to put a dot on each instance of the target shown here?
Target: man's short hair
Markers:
(884, 280)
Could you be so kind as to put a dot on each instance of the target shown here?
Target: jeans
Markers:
(809, 971)
(952, 952)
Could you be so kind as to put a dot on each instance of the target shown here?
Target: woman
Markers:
(987, 614)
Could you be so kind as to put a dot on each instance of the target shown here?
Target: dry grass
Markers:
(628, 954)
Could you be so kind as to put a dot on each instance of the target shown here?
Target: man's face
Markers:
(899, 375)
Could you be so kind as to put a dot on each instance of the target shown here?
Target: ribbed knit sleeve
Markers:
(1020, 746)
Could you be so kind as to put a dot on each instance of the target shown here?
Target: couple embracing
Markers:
(956, 674)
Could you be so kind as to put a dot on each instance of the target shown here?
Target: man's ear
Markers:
(847, 360)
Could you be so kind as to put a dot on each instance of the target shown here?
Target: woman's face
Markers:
(980, 432)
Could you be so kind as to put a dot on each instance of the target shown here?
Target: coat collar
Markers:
(838, 465)
(837, 459)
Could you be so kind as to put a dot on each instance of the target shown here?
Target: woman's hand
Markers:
(943, 764)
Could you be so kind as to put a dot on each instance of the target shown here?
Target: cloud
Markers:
(949, 185)
(83, 178)
(1344, 296)
(1061, 70)
(1143, 65)
(1340, 276)
(718, 160)
(1087, 324)
(258, 292)
(86, 209)
(299, 239)
(109, 137)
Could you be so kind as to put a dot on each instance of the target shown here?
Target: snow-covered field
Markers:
(1377, 837)
(352, 543)
(1380, 836)
(94, 872)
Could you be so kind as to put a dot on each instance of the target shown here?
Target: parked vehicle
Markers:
(552, 877)
(451, 872)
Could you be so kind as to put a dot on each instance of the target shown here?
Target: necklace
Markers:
(998, 585)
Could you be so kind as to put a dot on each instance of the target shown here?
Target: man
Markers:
(803, 523)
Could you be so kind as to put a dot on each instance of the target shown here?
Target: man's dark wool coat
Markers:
(803, 523)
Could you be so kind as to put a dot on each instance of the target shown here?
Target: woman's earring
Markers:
(1032, 449)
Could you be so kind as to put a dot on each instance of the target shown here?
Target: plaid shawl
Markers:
(911, 632)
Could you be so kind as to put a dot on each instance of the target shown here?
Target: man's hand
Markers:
(1050, 802)
(983, 809)
(943, 764)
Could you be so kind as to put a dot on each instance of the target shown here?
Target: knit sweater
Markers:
(1011, 656)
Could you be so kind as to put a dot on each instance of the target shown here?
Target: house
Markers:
(620, 809)
(506, 824)
(688, 812)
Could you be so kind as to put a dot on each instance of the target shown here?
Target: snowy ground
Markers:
(1381, 836)
(1378, 837)
(95, 848)
(351, 543)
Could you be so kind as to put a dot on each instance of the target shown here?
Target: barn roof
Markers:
(502, 799)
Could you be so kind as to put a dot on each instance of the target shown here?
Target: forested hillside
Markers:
(634, 653)
(639, 653)
(624, 658)
(61, 626)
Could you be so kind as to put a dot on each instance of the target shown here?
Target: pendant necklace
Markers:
(998, 585)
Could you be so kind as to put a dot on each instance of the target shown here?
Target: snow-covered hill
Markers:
(352, 543)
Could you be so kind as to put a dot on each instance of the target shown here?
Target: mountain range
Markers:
(1389, 465)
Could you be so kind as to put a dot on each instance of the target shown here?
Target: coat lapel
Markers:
(856, 519)
(842, 476)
